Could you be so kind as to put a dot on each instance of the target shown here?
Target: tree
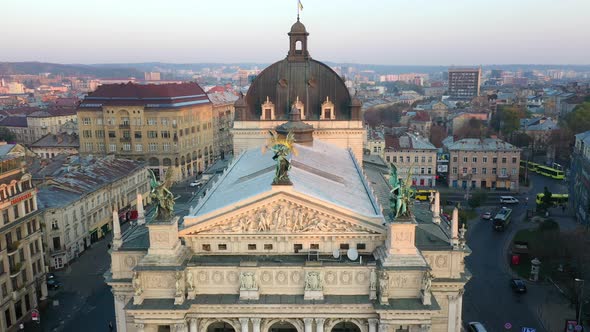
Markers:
(477, 199)
(6, 135)
(437, 135)
(546, 202)
(507, 119)
(521, 140)
(578, 120)
(474, 128)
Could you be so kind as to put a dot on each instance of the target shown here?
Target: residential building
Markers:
(152, 76)
(319, 253)
(78, 198)
(22, 268)
(579, 179)
(540, 130)
(420, 123)
(375, 142)
(48, 121)
(223, 121)
(483, 163)
(414, 157)
(464, 83)
(322, 99)
(165, 125)
(460, 120)
(52, 145)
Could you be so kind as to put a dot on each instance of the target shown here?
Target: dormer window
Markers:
(299, 105)
(268, 110)
(328, 110)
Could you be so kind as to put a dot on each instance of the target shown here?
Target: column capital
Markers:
(373, 320)
(307, 320)
(256, 320)
(320, 321)
(244, 321)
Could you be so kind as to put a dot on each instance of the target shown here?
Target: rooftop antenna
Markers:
(352, 254)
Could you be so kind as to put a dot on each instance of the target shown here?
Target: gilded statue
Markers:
(282, 146)
(161, 195)
(402, 194)
(136, 284)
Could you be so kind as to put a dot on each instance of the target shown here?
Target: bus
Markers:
(550, 172)
(556, 199)
(502, 219)
(532, 166)
(424, 194)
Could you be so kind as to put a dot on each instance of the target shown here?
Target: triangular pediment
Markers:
(283, 214)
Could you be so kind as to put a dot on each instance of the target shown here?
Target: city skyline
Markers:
(453, 32)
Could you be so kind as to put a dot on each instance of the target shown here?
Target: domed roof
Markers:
(298, 27)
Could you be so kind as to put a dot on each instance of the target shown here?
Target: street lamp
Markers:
(580, 299)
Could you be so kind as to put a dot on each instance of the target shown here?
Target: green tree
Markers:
(6, 135)
(521, 140)
(477, 199)
(507, 119)
(578, 120)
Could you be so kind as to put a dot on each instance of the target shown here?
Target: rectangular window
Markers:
(138, 134)
(268, 246)
(473, 170)
(125, 121)
(222, 246)
(152, 121)
(251, 246)
(415, 159)
(454, 170)
(15, 210)
(514, 160)
(206, 247)
(494, 170)
(88, 146)
(87, 133)
(422, 170)
(408, 159)
(164, 122)
(514, 171)
(112, 134)
(153, 147)
(111, 121)
(344, 246)
(388, 159)
(86, 121)
(100, 147)
(484, 171)
(99, 133)
(495, 160)
(454, 159)
(138, 148)
(126, 134)
(99, 121)
(126, 147)
(152, 134)
(166, 147)
(165, 134)
(424, 159)
(485, 159)
(394, 159)
(474, 159)
(297, 247)
(361, 246)
(503, 160)
(112, 147)
(137, 121)
(429, 170)
(503, 171)
(464, 159)
(464, 170)
(314, 246)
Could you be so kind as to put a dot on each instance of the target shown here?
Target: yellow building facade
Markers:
(166, 125)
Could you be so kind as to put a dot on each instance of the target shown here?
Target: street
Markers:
(488, 297)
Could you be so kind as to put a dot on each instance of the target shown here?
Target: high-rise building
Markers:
(152, 76)
(464, 82)
(22, 268)
(167, 125)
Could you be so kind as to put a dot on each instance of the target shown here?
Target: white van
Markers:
(508, 200)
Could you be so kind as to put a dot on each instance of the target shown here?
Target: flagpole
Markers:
(297, 10)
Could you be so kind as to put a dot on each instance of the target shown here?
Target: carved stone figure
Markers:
(282, 146)
(401, 194)
(373, 280)
(427, 281)
(162, 197)
(248, 281)
(178, 277)
(137, 284)
(189, 280)
(313, 281)
(384, 283)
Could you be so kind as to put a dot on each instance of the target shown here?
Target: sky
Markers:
(391, 32)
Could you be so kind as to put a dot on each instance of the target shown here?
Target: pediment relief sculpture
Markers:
(281, 217)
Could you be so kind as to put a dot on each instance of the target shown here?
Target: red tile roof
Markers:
(421, 116)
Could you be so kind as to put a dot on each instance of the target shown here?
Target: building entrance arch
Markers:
(220, 326)
(346, 325)
(282, 325)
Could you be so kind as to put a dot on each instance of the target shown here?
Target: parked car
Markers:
(508, 200)
(475, 327)
(49, 275)
(518, 286)
(53, 284)
(196, 183)
(486, 215)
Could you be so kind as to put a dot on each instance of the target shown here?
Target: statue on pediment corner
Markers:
(162, 196)
(282, 146)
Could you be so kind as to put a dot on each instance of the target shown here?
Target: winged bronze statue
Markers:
(402, 194)
(162, 196)
(282, 146)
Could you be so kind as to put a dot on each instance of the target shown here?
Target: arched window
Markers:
(298, 46)
(299, 105)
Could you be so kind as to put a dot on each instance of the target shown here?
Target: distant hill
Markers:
(34, 68)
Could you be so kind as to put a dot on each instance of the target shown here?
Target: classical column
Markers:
(319, 324)
(117, 242)
(193, 325)
(120, 312)
(373, 324)
(140, 212)
(459, 306)
(452, 314)
(244, 322)
(308, 322)
(255, 324)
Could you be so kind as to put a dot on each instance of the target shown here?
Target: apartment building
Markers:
(49, 121)
(223, 121)
(464, 83)
(483, 163)
(22, 267)
(579, 179)
(78, 200)
(413, 155)
(165, 125)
